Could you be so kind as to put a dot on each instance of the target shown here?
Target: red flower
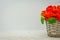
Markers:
(57, 16)
(46, 14)
(52, 11)
(49, 8)
(43, 13)
(49, 14)
(54, 8)
(58, 8)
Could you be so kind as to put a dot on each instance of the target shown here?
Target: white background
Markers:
(17, 15)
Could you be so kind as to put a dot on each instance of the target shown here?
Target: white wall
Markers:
(22, 14)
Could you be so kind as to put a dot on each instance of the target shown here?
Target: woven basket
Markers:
(53, 30)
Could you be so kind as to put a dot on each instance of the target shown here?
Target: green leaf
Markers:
(51, 20)
(42, 19)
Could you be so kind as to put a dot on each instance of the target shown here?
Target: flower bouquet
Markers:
(51, 15)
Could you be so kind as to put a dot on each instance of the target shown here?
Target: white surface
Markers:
(26, 35)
